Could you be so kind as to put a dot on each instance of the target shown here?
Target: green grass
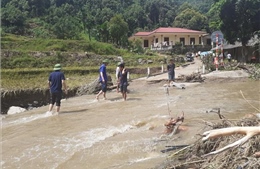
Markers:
(38, 79)
(33, 78)
(23, 68)
(21, 43)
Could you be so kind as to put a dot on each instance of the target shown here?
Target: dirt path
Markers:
(182, 70)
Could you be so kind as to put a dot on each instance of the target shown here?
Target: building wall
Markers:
(173, 39)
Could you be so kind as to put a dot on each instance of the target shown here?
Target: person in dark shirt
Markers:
(103, 79)
(56, 82)
(123, 80)
(171, 71)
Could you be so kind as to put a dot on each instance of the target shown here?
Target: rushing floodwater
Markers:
(116, 134)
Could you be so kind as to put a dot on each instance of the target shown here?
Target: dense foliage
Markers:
(238, 20)
(105, 20)
(113, 21)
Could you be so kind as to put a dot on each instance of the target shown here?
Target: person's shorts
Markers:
(56, 98)
(104, 86)
(171, 77)
(123, 87)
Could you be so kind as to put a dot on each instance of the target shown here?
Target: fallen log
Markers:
(247, 131)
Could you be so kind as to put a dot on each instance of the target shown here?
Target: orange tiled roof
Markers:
(142, 33)
(168, 30)
(175, 30)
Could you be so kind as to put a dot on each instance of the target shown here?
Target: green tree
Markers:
(14, 16)
(213, 15)
(38, 7)
(87, 19)
(135, 17)
(185, 6)
(118, 28)
(240, 20)
(103, 32)
(63, 24)
(189, 18)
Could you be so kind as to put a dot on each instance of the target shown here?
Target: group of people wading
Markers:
(121, 76)
(56, 82)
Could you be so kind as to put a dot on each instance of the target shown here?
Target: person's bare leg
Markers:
(97, 96)
(57, 109)
(125, 96)
(104, 95)
(50, 107)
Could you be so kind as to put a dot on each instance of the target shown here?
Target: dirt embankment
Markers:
(27, 98)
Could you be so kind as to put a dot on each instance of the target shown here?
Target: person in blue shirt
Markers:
(123, 80)
(56, 81)
(103, 79)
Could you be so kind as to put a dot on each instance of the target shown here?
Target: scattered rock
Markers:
(15, 110)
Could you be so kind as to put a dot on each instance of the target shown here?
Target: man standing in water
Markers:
(123, 80)
(56, 81)
(171, 71)
(103, 79)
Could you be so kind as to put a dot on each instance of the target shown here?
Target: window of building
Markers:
(166, 40)
(182, 41)
(208, 41)
(192, 41)
(146, 43)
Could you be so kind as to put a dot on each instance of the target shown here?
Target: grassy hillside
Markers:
(24, 52)
(22, 43)
(27, 62)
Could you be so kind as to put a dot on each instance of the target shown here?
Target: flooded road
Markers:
(116, 134)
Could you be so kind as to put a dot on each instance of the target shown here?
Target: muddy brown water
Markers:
(114, 133)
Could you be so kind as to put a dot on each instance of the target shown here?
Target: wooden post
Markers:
(162, 69)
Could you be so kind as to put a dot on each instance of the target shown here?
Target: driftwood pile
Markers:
(252, 69)
(198, 155)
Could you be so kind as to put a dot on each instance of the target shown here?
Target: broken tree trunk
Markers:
(248, 131)
(173, 125)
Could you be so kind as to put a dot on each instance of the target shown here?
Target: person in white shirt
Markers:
(117, 76)
(229, 57)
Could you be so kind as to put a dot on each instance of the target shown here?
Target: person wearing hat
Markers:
(171, 71)
(56, 82)
(103, 79)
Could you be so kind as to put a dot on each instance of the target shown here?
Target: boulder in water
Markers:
(15, 110)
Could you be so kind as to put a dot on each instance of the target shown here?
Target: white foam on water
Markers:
(137, 160)
(28, 119)
(56, 150)
(92, 101)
